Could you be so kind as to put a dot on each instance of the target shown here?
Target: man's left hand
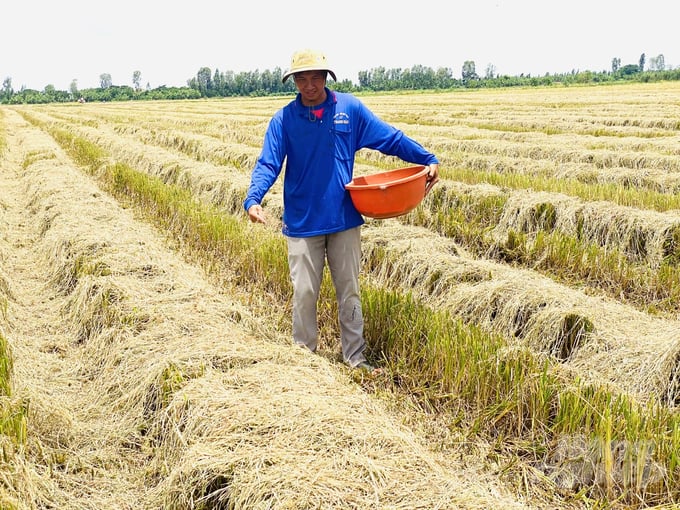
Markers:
(432, 176)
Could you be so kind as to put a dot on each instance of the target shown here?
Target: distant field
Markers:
(555, 230)
(575, 188)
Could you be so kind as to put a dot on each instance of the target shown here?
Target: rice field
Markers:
(527, 312)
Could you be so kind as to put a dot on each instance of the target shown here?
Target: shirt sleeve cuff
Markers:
(249, 203)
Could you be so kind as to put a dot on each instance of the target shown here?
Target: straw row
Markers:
(572, 324)
(166, 399)
(602, 339)
(545, 315)
(643, 235)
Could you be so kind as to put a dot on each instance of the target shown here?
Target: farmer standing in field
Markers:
(318, 135)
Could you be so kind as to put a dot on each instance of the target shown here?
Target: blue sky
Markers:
(46, 42)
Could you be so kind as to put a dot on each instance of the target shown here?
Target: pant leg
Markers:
(343, 251)
(306, 259)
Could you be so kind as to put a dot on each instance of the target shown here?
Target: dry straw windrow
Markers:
(563, 152)
(628, 253)
(645, 236)
(160, 395)
(244, 125)
(5, 291)
(613, 146)
(200, 147)
(5, 288)
(633, 237)
(601, 339)
(3, 133)
(557, 329)
(296, 445)
(655, 179)
(224, 186)
(597, 129)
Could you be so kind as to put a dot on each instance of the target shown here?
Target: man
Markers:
(318, 135)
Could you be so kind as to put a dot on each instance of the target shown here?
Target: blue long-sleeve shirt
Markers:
(319, 155)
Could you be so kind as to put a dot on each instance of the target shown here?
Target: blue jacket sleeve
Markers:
(269, 163)
(374, 133)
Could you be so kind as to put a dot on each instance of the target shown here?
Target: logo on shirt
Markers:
(341, 118)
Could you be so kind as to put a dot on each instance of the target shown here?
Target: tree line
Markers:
(208, 83)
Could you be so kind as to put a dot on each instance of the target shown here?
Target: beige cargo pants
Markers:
(306, 259)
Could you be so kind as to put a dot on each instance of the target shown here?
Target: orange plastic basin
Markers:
(389, 194)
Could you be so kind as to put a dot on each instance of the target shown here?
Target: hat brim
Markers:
(303, 69)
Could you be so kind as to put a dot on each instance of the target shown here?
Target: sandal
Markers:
(367, 367)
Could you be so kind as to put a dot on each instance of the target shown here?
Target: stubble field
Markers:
(526, 313)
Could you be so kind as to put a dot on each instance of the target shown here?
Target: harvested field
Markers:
(598, 338)
(161, 360)
(152, 388)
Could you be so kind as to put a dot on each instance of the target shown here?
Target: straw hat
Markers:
(307, 60)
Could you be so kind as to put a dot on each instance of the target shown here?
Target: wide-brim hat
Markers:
(307, 60)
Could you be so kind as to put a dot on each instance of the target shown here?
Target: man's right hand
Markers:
(256, 214)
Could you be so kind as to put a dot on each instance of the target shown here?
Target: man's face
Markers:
(311, 85)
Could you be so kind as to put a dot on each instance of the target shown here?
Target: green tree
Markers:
(469, 73)
(375, 79)
(49, 91)
(642, 62)
(105, 81)
(74, 88)
(444, 77)
(137, 80)
(204, 80)
(217, 83)
(7, 88)
(490, 72)
(269, 82)
(616, 64)
(423, 77)
(629, 69)
(657, 63)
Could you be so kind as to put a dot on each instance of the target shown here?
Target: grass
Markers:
(13, 412)
(506, 393)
